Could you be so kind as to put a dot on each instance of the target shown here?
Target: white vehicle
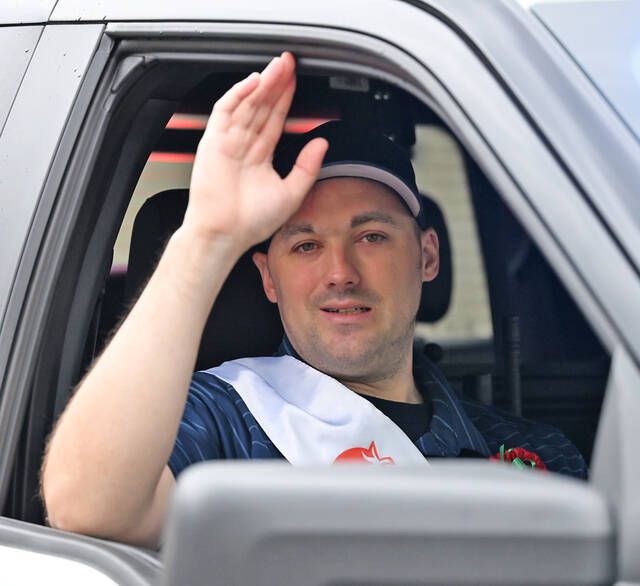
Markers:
(524, 120)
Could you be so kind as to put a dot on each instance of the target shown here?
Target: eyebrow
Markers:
(291, 230)
(372, 216)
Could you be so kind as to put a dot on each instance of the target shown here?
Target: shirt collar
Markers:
(451, 430)
(287, 349)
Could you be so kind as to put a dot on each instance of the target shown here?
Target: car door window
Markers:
(440, 172)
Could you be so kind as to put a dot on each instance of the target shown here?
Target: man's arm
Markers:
(105, 471)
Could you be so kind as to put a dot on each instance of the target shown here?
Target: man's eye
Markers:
(305, 247)
(372, 238)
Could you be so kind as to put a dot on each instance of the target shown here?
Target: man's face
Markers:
(346, 271)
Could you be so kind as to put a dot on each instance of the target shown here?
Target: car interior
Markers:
(529, 364)
(497, 320)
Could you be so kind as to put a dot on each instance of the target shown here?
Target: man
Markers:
(345, 263)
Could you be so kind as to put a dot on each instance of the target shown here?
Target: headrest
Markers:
(243, 322)
(436, 295)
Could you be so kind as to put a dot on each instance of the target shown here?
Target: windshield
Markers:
(603, 36)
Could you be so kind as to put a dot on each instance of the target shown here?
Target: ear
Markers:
(260, 260)
(430, 254)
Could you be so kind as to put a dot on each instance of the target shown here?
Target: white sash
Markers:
(312, 418)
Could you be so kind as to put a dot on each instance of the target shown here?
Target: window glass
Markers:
(162, 171)
(604, 39)
(440, 175)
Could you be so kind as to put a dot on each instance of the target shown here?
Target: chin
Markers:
(356, 355)
(349, 359)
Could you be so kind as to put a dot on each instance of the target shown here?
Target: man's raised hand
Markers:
(235, 192)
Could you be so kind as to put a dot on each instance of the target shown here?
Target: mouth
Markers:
(346, 310)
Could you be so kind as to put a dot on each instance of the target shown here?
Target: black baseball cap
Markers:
(355, 151)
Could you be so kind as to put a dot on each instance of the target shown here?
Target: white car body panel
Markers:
(29, 568)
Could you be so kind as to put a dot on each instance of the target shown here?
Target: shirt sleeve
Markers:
(198, 437)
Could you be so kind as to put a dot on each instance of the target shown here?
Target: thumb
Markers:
(305, 172)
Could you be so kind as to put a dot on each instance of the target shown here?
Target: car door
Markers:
(501, 104)
(44, 77)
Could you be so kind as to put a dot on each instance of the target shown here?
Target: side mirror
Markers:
(455, 522)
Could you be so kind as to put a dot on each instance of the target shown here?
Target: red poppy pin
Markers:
(519, 457)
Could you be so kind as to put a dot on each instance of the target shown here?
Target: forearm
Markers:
(114, 439)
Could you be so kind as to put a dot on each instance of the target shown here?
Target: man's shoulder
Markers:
(211, 390)
(500, 428)
(228, 411)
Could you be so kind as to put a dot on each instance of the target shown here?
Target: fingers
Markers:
(241, 99)
(273, 120)
(305, 171)
(273, 82)
(240, 114)
(229, 102)
(274, 93)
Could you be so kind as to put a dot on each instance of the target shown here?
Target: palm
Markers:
(234, 190)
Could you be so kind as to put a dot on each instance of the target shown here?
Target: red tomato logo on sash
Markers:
(364, 456)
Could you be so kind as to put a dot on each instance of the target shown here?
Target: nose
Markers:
(341, 272)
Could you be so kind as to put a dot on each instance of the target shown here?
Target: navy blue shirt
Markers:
(217, 424)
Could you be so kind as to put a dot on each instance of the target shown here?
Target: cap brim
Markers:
(366, 171)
